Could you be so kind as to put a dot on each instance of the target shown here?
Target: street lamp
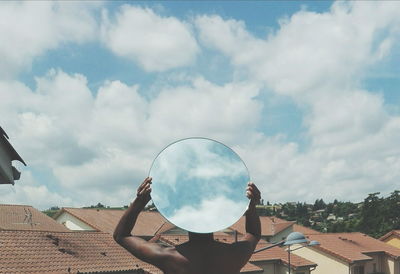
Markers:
(296, 238)
(291, 239)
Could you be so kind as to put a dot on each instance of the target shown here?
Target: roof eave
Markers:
(387, 235)
(13, 153)
(65, 210)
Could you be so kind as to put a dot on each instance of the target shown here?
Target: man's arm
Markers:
(253, 225)
(149, 252)
(244, 248)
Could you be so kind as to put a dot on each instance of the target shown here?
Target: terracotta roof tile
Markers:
(23, 217)
(394, 233)
(105, 220)
(304, 230)
(352, 247)
(58, 252)
(249, 267)
(179, 239)
(270, 226)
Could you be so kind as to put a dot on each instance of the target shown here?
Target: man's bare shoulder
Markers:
(213, 258)
(174, 261)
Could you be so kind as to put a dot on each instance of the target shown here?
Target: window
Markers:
(359, 269)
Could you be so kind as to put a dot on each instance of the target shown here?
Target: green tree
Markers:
(393, 209)
(372, 218)
(319, 204)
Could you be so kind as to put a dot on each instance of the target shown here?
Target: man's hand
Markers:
(253, 193)
(143, 192)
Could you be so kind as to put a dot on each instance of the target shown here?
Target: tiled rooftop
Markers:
(270, 226)
(105, 220)
(152, 223)
(64, 252)
(251, 268)
(352, 247)
(179, 239)
(304, 230)
(23, 217)
(394, 233)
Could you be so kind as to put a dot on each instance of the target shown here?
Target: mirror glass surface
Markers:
(199, 185)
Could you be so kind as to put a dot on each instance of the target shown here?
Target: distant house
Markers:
(331, 217)
(271, 261)
(273, 229)
(8, 173)
(392, 238)
(147, 225)
(354, 253)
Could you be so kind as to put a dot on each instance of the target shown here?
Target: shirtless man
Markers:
(201, 254)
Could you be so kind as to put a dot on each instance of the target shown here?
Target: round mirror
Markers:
(199, 185)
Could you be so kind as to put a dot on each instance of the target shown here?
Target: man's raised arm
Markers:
(253, 225)
(149, 252)
(244, 248)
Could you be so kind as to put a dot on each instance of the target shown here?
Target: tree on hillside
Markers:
(393, 209)
(372, 217)
(319, 204)
(343, 209)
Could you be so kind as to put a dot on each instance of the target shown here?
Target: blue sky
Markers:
(305, 92)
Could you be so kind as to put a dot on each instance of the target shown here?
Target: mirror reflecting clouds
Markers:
(199, 185)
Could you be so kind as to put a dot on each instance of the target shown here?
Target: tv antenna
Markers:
(28, 218)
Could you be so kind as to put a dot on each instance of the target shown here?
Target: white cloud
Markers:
(100, 146)
(319, 59)
(104, 144)
(212, 215)
(34, 193)
(44, 121)
(196, 166)
(156, 43)
(309, 49)
(195, 159)
(89, 142)
(227, 113)
(28, 29)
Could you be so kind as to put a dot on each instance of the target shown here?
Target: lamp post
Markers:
(296, 238)
(291, 239)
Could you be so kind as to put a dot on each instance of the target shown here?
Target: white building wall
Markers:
(327, 264)
(377, 260)
(268, 267)
(392, 266)
(72, 222)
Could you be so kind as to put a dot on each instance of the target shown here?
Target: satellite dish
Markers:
(199, 185)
